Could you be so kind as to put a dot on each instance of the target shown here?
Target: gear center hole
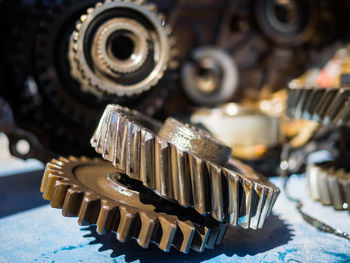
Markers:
(122, 47)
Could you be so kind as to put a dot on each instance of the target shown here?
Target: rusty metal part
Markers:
(329, 184)
(210, 77)
(178, 171)
(97, 193)
(324, 105)
(120, 48)
(256, 133)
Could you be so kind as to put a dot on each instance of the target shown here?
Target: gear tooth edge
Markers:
(48, 170)
(50, 186)
(312, 179)
(179, 173)
(108, 217)
(146, 158)
(89, 209)
(335, 190)
(196, 167)
(151, 7)
(244, 220)
(147, 227)
(217, 204)
(59, 194)
(168, 233)
(102, 134)
(233, 181)
(187, 231)
(161, 166)
(133, 156)
(126, 218)
(260, 191)
(345, 184)
(110, 137)
(223, 228)
(122, 143)
(200, 238)
(212, 237)
(72, 202)
(325, 196)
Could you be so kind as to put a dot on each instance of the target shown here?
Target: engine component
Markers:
(183, 163)
(99, 194)
(210, 77)
(120, 47)
(37, 72)
(256, 134)
(329, 184)
(324, 105)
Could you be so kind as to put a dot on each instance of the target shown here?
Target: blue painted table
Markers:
(31, 231)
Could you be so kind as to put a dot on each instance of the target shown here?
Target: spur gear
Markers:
(329, 184)
(324, 105)
(120, 48)
(97, 193)
(181, 163)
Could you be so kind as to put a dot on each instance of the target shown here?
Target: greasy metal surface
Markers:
(195, 141)
(238, 198)
(120, 47)
(324, 105)
(329, 184)
(99, 194)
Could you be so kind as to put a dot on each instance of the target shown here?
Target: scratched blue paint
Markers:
(42, 234)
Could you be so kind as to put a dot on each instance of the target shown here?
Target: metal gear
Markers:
(210, 77)
(97, 193)
(173, 161)
(324, 105)
(120, 48)
(329, 184)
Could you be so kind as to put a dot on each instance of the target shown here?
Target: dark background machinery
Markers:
(270, 42)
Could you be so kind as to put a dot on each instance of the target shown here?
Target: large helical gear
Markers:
(99, 194)
(185, 164)
(120, 48)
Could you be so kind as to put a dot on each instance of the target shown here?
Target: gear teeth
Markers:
(329, 185)
(198, 186)
(108, 215)
(147, 227)
(126, 219)
(217, 205)
(192, 181)
(59, 195)
(72, 202)
(323, 105)
(50, 186)
(169, 229)
(90, 82)
(181, 180)
(162, 181)
(187, 231)
(146, 158)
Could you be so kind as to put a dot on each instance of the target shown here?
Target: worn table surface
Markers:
(31, 231)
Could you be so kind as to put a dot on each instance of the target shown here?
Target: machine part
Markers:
(17, 135)
(99, 194)
(120, 48)
(329, 184)
(287, 22)
(256, 134)
(38, 79)
(324, 105)
(210, 76)
(169, 160)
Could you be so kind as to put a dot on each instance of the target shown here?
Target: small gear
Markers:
(323, 105)
(120, 48)
(184, 164)
(97, 193)
(329, 184)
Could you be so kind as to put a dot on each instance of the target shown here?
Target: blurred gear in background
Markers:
(64, 60)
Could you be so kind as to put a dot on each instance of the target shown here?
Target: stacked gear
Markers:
(323, 96)
(329, 184)
(171, 184)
